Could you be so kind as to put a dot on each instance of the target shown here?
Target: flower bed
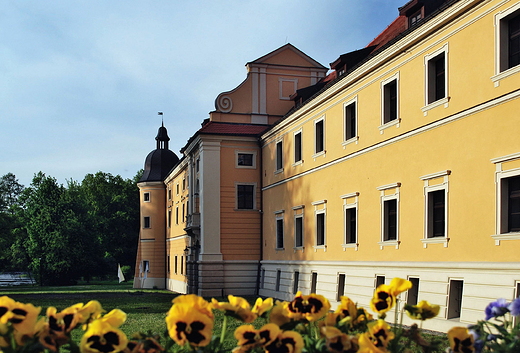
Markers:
(305, 324)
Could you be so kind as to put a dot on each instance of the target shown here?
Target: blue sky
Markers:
(81, 82)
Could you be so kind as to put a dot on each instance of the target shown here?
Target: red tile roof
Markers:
(219, 128)
(393, 30)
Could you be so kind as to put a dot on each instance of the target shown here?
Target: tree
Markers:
(10, 191)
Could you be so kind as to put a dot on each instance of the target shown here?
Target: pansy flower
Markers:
(286, 342)
(90, 311)
(422, 311)
(237, 307)
(347, 308)
(385, 295)
(188, 325)
(514, 307)
(196, 302)
(262, 306)
(63, 322)
(380, 333)
(143, 344)
(279, 314)
(101, 337)
(248, 337)
(114, 318)
(339, 342)
(498, 308)
(24, 317)
(461, 340)
(310, 307)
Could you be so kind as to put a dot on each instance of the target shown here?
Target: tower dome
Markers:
(160, 161)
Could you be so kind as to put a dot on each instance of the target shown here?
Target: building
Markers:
(404, 161)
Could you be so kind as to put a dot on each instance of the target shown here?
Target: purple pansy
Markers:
(497, 308)
(514, 307)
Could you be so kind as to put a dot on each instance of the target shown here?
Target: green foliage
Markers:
(63, 233)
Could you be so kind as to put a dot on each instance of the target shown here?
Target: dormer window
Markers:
(414, 18)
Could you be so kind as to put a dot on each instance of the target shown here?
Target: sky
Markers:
(81, 82)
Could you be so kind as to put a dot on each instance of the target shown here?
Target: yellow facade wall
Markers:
(464, 144)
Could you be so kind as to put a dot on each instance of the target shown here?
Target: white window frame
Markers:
(299, 213)
(355, 138)
(384, 197)
(501, 45)
(502, 174)
(277, 170)
(300, 132)
(350, 201)
(320, 207)
(254, 197)
(279, 217)
(253, 166)
(429, 85)
(396, 122)
(323, 151)
(149, 194)
(427, 179)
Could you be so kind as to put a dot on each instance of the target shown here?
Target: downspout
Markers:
(259, 268)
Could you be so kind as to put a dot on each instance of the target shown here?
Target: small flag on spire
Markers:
(159, 113)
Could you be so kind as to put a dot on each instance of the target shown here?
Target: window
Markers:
(278, 278)
(296, 281)
(183, 184)
(298, 231)
(507, 25)
(177, 188)
(177, 215)
(314, 281)
(169, 194)
(436, 78)
(175, 264)
(146, 266)
(146, 197)
(279, 230)
(320, 229)
(350, 225)
(246, 159)
(279, 156)
(245, 196)
(146, 222)
(298, 147)
(379, 281)
(319, 136)
(320, 224)
(507, 199)
(390, 220)
(182, 265)
(413, 293)
(183, 213)
(341, 286)
(168, 264)
(389, 215)
(350, 120)
(414, 18)
(455, 299)
(390, 100)
(436, 217)
(169, 218)
(436, 208)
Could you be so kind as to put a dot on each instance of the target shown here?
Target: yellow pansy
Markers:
(101, 337)
(196, 302)
(339, 342)
(422, 311)
(461, 340)
(310, 307)
(248, 337)
(286, 342)
(188, 325)
(237, 307)
(262, 306)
